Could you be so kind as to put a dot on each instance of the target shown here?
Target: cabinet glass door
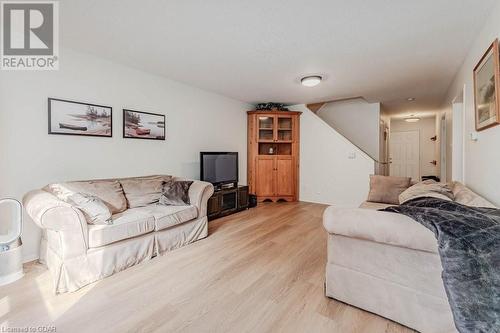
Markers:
(266, 128)
(285, 129)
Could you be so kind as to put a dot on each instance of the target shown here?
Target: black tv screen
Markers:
(219, 168)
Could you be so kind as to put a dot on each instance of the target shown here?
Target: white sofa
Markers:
(388, 264)
(78, 253)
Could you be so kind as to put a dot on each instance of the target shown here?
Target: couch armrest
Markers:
(50, 213)
(199, 193)
(381, 227)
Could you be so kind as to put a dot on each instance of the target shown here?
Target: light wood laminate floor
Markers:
(261, 270)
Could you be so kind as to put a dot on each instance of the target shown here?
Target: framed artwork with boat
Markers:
(78, 118)
(143, 125)
(487, 88)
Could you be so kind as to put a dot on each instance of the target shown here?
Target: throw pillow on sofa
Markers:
(109, 191)
(176, 193)
(465, 196)
(94, 209)
(143, 191)
(386, 189)
(427, 188)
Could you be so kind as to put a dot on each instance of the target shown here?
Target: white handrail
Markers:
(18, 221)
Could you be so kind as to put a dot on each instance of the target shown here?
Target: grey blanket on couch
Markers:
(469, 247)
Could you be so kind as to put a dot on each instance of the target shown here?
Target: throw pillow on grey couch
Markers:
(143, 191)
(109, 191)
(386, 189)
(428, 189)
(465, 196)
(176, 193)
(94, 209)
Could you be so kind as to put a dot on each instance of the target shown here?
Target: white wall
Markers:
(457, 142)
(427, 129)
(357, 120)
(327, 174)
(482, 158)
(195, 121)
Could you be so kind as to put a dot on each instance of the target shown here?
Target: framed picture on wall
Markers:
(78, 118)
(143, 125)
(486, 88)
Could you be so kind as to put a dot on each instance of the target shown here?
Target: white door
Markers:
(404, 149)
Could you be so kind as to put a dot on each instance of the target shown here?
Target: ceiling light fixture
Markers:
(311, 81)
(412, 119)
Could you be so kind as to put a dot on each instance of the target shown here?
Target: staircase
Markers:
(359, 122)
(332, 169)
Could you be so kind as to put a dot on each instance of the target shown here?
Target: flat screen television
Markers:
(219, 168)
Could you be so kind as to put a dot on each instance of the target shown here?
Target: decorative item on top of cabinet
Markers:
(273, 155)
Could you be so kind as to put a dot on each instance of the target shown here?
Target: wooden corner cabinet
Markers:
(273, 155)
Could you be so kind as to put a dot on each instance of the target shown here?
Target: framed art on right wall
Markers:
(486, 88)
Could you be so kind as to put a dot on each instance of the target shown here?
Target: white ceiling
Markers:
(256, 50)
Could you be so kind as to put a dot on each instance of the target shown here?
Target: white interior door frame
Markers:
(458, 137)
(443, 147)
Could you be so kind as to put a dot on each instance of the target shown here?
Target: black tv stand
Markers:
(227, 186)
(227, 200)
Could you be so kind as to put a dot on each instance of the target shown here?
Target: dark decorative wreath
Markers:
(271, 106)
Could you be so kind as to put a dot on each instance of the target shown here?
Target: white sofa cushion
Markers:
(130, 223)
(109, 191)
(381, 227)
(169, 216)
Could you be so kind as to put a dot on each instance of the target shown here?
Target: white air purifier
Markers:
(11, 259)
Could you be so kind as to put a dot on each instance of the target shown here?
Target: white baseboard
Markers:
(30, 258)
